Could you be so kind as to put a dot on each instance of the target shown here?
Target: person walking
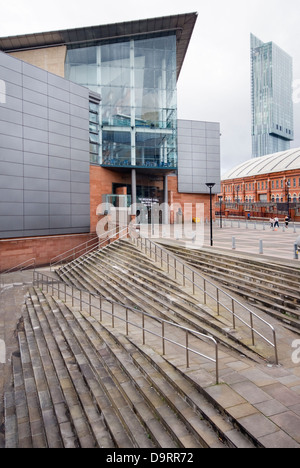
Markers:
(287, 220)
(276, 224)
(272, 221)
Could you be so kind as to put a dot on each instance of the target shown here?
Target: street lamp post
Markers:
(221, 200)
(288, 185)
(210, 185)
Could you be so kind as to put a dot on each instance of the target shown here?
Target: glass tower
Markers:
(272, 104)
(136, 125)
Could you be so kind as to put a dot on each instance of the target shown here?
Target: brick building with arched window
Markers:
(264, 186)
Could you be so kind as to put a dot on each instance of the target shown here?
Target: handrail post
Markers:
(217, 364)
(275, 346)
(90, 304)
(218, 302)
(204, 289)
(143, 327)
(100, 304)
(233, 314)
(163, 337)
(252, 330)
(113, 315)
(127, 325)
(187, 349)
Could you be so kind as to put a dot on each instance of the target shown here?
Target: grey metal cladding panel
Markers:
(60, 197)
(77, 187)
(11, 63)
(35, 110)
(59, 93)
(31, 183)
(35, 122)
(79, 111)
(9, 142)
(14, 104)
(10, 209)
(59, 128)
(80, 133)
(10, 76)
(80, 220)
(59, 174)
(82, 145)
(60, 117)
(34, 72)
(83, 177)
(213, 126)
(10, 155)
(11, 223)
(59, 163)
(37, 172)
(198, 125)
(35, 85)
(184, 123)
(35, 134)
(11, 182)
(185, 187)
(59, 151)
(33, 159)
(80, 209)
(79, 122)
(58, 82)
(31, 196)
(14, 90)
(12, 116)
(81, 198)
(80, 166)
(38, 147)
(11, 195)
(60, 140)
(35, 97)
(79, 90)
(11, 169)
(7, 129)
(59, 222)
(60, 209)
(82, 102)
(80, 155)
(58, 105)
(36, 209)
(36, 222)
(60, 186)
(186, 171)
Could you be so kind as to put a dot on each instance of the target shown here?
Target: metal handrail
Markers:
(53, 263)
(92, 252)
(219, 290)
(17, 268)
(55, 285)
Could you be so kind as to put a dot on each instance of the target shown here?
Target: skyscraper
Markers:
(272, 104)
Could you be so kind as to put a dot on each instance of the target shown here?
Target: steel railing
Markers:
(18, 268)
(74, 252)
(149, 246)
(88, 255)
(43, 281)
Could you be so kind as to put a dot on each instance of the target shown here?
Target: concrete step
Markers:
(120, 419)
(285, 299)
(199, 415)
(128, 289)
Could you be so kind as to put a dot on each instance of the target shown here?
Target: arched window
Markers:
(277, 198)
(295, 198)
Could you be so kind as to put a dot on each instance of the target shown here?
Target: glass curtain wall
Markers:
(136, 79)
(272, 105)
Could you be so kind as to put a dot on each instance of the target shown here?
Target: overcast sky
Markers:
(214, 84)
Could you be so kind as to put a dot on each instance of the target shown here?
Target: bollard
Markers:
(261, 247)
(296, 251)
(233, 243)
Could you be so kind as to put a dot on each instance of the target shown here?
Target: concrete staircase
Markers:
(79, 383)
(122, 273)
(271, 286)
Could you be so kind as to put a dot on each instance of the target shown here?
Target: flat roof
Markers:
(182, 24)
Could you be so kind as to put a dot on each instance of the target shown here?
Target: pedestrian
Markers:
(298, 242)
(272, 221)
(276, 224)
(287, 220)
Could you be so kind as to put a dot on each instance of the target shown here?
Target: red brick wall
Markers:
(43, 249)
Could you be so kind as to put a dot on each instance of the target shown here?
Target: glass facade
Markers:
(137, 80)
(272, 104)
